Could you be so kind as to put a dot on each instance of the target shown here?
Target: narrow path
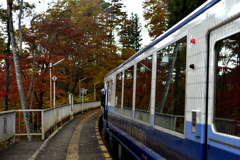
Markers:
(57, 147)
(86, 141)
(73, 145)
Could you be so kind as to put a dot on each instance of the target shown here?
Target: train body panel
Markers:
(191, 123)
(163, 143)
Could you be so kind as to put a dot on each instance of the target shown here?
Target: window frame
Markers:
(121, 92)
(172, 132)
(123, 89)
(145, 57)
(217, 35)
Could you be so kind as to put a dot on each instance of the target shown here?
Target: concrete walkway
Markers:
(20, 150)
(78, 139)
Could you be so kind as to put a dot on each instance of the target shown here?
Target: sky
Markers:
(134, 6)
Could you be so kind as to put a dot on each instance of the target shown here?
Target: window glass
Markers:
(118, 97)
(170, 86)
(109, 91)
(227, 108)
(143, 89)
(128, 91)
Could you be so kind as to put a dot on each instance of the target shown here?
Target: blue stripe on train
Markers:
(134, 146)
(157, 141)
(229, 145)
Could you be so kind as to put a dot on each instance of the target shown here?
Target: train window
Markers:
(109, 91)
(143, 89)
(118, 96)
(227, 90)
(170, 86)
(128, 91)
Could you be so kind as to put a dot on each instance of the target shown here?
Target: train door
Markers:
(223, 128)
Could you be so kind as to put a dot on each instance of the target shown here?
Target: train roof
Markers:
(208, 4)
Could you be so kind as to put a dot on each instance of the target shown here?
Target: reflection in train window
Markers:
(170, 86)
(143, 89)
(227, 110)
(118, 97)
(128, 91)
(109, 91)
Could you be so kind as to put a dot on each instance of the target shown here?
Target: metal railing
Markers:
(34, 120)
(12, 123)
(7, 125)
(227, 126)
(169, 121)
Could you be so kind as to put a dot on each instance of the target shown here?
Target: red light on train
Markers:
(193, 40)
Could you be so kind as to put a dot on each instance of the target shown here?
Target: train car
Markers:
(178, 98)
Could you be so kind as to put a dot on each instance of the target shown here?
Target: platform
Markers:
(77, 139)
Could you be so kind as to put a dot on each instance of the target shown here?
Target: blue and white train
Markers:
(179, 97)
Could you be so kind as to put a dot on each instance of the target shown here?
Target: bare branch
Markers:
(20, 28)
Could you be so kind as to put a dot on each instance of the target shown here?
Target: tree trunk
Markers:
(7, 71)
(176, 93)
(41, 100)
(70, 84)
(7, 78)
(76, 81)
(168, 79)
(18, 70)
(33, 75)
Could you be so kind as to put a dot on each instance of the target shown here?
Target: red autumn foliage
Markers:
(228, 105)
(4, 57)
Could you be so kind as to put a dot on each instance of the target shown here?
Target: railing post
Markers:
(175, 121)
(42, 122)
(14, 127)
(19, 122)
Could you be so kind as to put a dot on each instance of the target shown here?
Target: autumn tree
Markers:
(52, 42)
(162, 14)
(78, 31)
(99, 22)
(94, 20)
(25, 10)
(5, 50)
(135, 42)
(7, 68)
(130, 33)
(114, 15)
(16, 58)
(156, 15)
